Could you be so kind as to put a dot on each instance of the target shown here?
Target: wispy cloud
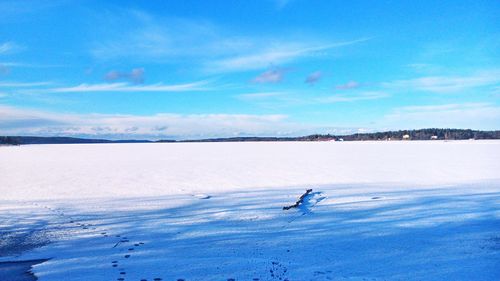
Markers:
(353, 97)
(440, 107)
(135, 34)
(30, 65)
(259, 96)
(455, 115)
(274, 54)
(5, 67)
(138, 35)
(283, 99)
(126, 87)
(8, 47)
(273, 75)
(447, 84)
(425, 68)
(347, 86)
(7, 84)
(313, 78)
(136, 75)
(19, 121)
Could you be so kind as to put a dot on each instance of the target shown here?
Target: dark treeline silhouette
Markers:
(18, 140)
(421, 134)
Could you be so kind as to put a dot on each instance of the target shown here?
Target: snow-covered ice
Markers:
(213, 211)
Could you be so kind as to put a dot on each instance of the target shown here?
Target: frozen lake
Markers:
(213, 211)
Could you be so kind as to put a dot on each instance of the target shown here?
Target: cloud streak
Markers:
(8, 84)
(19, 121)
(353, 98)
(484, 116)
(446, 84)
(348, 86)
(259, 96)
(139, 35)
(126, 87)
(8, 47)
(275, 54)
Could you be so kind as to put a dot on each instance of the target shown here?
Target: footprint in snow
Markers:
(202, 196)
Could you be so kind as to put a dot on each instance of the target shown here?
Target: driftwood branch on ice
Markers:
(300, 201)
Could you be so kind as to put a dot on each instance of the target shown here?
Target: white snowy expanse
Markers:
(213, 211)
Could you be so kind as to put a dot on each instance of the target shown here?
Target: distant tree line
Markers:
(422, 134)
(9, 140)
(18, 140)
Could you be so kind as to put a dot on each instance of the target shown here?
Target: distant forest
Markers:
(422, 134)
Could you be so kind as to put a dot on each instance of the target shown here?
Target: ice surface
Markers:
(213, 211)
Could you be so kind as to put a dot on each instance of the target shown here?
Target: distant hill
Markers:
(243, 139)
(421, 134)
(18, 140)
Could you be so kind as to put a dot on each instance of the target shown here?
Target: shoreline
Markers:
(19, 270)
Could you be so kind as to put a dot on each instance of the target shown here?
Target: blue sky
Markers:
(195, 69)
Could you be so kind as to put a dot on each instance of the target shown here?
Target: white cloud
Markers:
(138, 35)
(134, 34)
(7, 84)
(258, 96)
(279, 53)
(446, 84)
(18, 121)
(440, 107)
(425, 68)
(8, 47)
(353, 97)
(347, 86)
(30, 65)
(126, 87)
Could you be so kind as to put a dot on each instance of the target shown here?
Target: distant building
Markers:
(434, 137)
(406, 137)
